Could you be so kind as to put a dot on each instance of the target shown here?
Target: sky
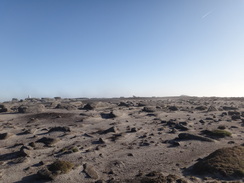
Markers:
(115, 48)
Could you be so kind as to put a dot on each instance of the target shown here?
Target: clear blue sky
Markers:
(113, 48)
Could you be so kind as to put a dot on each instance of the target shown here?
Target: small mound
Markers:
(228, 162)
(36, 108)
(56, 168)
(62, 166)
(66, 106)
(217, 133)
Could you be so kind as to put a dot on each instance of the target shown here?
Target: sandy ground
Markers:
(118, 138)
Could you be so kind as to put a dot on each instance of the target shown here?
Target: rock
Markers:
(24, 151)
(149, 109)
(66, 106)
(60, 129)
(132, 130)
(3, 108)
(4, 136)
(201, 121)
(235, 117)
(27, 131)
(48, 141)
(181, 127)
(227, 108)
(108, 115)
(32, 144)
(173, 108)
(183, 123)
(88, 107)
(201, 108)
(231, 113)
(209, 119)
(90, 171)
(188, 136)
(46, 174)
(101, 141)
(110, 130)
(211, 109)
(123, 104)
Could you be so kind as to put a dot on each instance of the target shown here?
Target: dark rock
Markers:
(173, 108)
(211, 109)
(183, 123)
(201, 121)
(231, 113)
(188, 136)
(133, 129)
(209, 119)
(123, 104)
(24, 151)
(149, 109)
(60, 128)
(3, 108)
(235, 117)
(4, 136)
(101, 141)
(88, 107)
(227, 108)
(108, 115)
(32, 144)
(110, 130)
(221, 127)
(201, 108)
(48, 141)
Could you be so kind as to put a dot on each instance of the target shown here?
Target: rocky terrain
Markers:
(145, 140)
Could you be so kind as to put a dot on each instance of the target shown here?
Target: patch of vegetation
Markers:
(75, 149)
(228, 162)
(221, 133)
(217, 133)
(62, 166)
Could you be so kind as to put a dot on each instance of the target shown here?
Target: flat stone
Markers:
(90, 171)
